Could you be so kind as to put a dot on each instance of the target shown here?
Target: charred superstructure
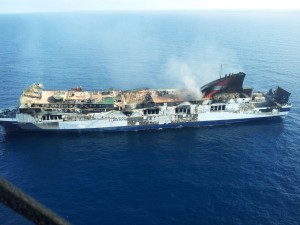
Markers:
(229, 84)
(222, 101)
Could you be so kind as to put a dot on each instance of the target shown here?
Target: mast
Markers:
(220, 71)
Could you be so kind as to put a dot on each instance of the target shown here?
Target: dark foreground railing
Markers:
(25, 205)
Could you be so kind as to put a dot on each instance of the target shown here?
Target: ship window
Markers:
(216, 108)
(176, 110)
(188, 111)
(211, 108)
(151, 111)
(220, 107)
(223, 107)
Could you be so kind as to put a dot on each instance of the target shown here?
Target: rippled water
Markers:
(239, 174)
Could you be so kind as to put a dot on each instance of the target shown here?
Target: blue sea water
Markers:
(237, 174)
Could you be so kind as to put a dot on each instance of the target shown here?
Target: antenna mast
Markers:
(220, 71)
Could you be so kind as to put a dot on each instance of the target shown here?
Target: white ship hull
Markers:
(223, 101)
(142, 123)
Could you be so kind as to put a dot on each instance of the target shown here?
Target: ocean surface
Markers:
(237, 174)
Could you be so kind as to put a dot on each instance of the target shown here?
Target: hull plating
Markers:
(32, 127)
(223, 101)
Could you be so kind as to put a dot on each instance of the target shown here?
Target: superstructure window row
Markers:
(151, 111)
(183, 111)
(215, 108)
(52, 117)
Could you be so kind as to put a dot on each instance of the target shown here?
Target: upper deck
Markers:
(221, 90)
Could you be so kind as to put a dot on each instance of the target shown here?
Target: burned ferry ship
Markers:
(223, 101)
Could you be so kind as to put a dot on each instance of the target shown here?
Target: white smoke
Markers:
(180, 73)
(192, 71)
